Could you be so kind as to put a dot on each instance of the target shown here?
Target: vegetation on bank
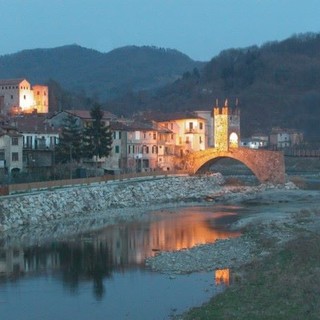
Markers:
(283, 285)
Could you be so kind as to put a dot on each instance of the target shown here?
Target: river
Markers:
(101, 274)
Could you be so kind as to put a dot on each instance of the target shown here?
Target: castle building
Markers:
(17, 96)
(226, 127)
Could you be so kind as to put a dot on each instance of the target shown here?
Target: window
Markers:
(119, 134)
(191, 126)
(154, 136)
(117, 149)
(24, 97)
(15, 141)
(114, 135)
(15, 156)
(28, 142)
(38, 93)
(201, 125)
(11, 97)
(171, 125)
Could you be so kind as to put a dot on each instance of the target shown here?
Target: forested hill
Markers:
(277, 84)
(103, 75)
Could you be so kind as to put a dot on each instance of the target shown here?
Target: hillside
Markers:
(96, 74)
(277, 84)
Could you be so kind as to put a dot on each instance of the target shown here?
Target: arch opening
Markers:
(233, 140)
(234, 171)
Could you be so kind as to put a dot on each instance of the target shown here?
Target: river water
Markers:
(101, 274)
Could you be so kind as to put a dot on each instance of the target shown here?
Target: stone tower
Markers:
(226, 126)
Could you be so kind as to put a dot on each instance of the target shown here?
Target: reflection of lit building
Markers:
(222, 276)
(11, 261)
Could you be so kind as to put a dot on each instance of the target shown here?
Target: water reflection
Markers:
(94, 256)
(222, 276)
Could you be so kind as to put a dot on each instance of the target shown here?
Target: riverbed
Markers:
(55, 273)
(102, 274)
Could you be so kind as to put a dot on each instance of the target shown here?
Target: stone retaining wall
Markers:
(30, 209)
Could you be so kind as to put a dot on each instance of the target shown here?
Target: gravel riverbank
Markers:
(281, 212)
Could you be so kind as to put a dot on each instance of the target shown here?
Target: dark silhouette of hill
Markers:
(96, 74)
(277, 84)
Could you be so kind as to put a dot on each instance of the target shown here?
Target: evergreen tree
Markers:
(97, 136)
(69, 148)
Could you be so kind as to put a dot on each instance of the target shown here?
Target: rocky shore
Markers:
(56, 214)
(106, 199)
(282, 211)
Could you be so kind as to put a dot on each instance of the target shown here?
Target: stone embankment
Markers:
(85, 201)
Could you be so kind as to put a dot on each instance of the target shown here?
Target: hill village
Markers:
(148, 142)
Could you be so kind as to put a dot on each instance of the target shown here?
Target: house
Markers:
(117, 159)
(188, 131)
(143, 146)
(284, 138)
(84, 118)
(39, 140)
(11, 145)
(209, 126)
(17, 96)
(256, 141)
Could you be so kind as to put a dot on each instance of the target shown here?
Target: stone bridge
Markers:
(267, 166)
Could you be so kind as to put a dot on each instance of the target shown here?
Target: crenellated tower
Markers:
(226, 126)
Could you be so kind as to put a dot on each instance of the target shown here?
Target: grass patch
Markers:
(284, 285)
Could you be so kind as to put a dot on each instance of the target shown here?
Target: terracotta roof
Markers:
(33, 124)
(9, 131)
(85, 114)
(161, 117)
(11, 81)
(140, 126)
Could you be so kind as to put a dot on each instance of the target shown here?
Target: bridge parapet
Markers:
(267, 166)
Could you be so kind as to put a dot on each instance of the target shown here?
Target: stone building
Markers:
(17, 96)
(284, 138)
(226, 126)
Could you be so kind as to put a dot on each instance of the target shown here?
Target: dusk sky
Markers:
(198, 28)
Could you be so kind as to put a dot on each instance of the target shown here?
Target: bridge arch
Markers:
(267, 166)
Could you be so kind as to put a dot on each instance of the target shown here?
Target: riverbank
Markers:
(274, 265)
(55, 215)
(43, 207)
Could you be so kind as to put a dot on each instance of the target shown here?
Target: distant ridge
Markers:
(277, 85)
(105, 75)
